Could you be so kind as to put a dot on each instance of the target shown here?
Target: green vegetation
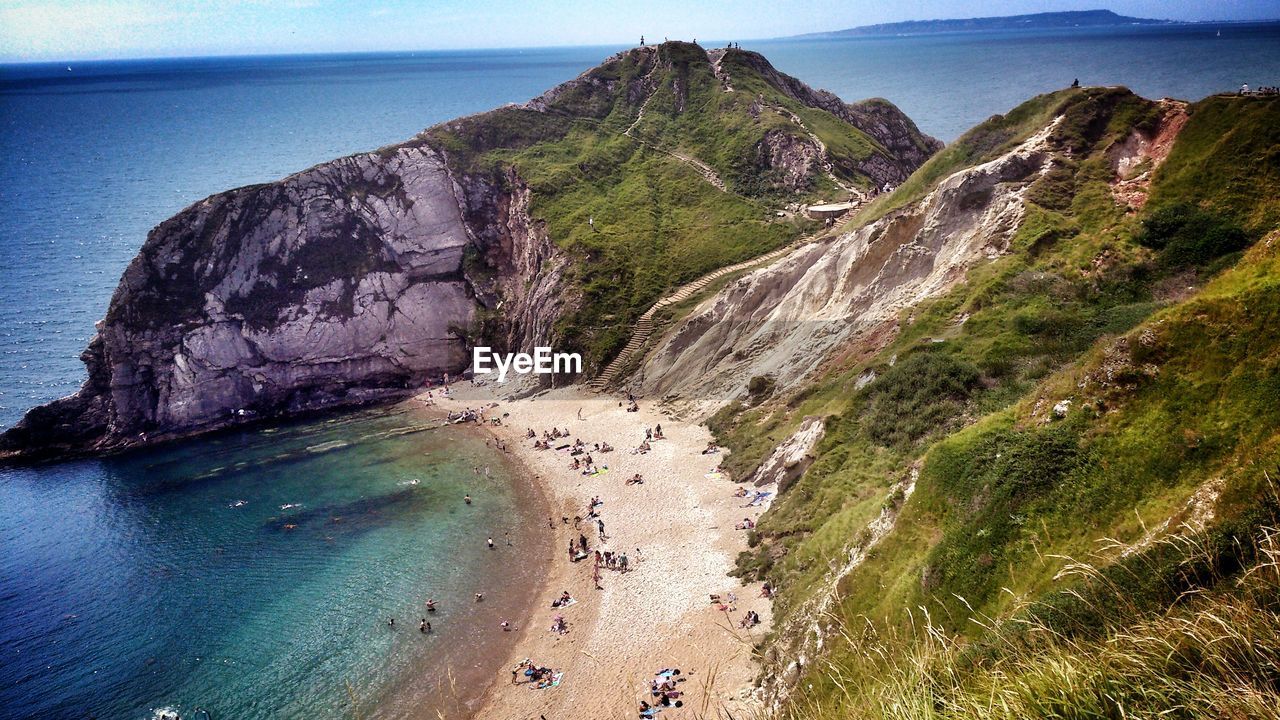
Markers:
(1187, 236)
(1213, 654)
(1227, 158)
(621, 189)
(1113, 376)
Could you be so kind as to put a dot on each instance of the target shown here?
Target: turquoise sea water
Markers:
(252, 573)
(131, 583)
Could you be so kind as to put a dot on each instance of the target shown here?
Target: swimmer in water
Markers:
(391, 622)
(479, 597)
(424, 627)
(490, 541)
(431, 605)
(466, 499)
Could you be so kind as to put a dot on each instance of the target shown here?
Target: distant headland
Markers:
(1034, 21)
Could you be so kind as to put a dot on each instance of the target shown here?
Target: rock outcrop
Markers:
(906, 148)
(792, 457)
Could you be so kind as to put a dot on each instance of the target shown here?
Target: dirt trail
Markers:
(698, 166)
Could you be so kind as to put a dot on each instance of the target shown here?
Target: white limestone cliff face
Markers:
(786, 319)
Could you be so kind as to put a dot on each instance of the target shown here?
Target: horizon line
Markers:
(802, 37)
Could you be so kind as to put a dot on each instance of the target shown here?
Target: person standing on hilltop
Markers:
(641, 41)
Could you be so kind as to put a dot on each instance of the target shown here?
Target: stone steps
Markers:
(644, 326)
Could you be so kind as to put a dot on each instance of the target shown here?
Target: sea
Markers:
(251, 574)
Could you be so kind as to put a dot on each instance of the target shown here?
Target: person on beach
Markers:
(560, 626)
(490, 542)
(600, 529)
(657, 433)
(479, 597)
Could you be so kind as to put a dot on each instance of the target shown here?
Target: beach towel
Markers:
(651, 712)
(714, 475)
(553, 682)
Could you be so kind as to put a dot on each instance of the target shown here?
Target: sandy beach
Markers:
(678, 531)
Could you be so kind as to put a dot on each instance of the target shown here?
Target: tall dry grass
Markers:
(1212, 653)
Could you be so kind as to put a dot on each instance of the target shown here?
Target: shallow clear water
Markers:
(179, 578)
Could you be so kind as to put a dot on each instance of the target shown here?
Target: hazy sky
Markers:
(75, 29)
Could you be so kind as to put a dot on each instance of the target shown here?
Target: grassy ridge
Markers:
(1168, 391)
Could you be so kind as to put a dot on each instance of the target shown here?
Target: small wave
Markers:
(414, 481)
(290, 506)
(164, 713)
(238, 504)
(326, 447)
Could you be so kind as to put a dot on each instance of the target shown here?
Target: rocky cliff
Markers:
(358, 279)
(350, 282)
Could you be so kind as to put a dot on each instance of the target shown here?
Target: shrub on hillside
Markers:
(1186, 236)
(922, 393)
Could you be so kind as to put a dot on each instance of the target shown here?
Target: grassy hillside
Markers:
(636, 147)
(1153, 334)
